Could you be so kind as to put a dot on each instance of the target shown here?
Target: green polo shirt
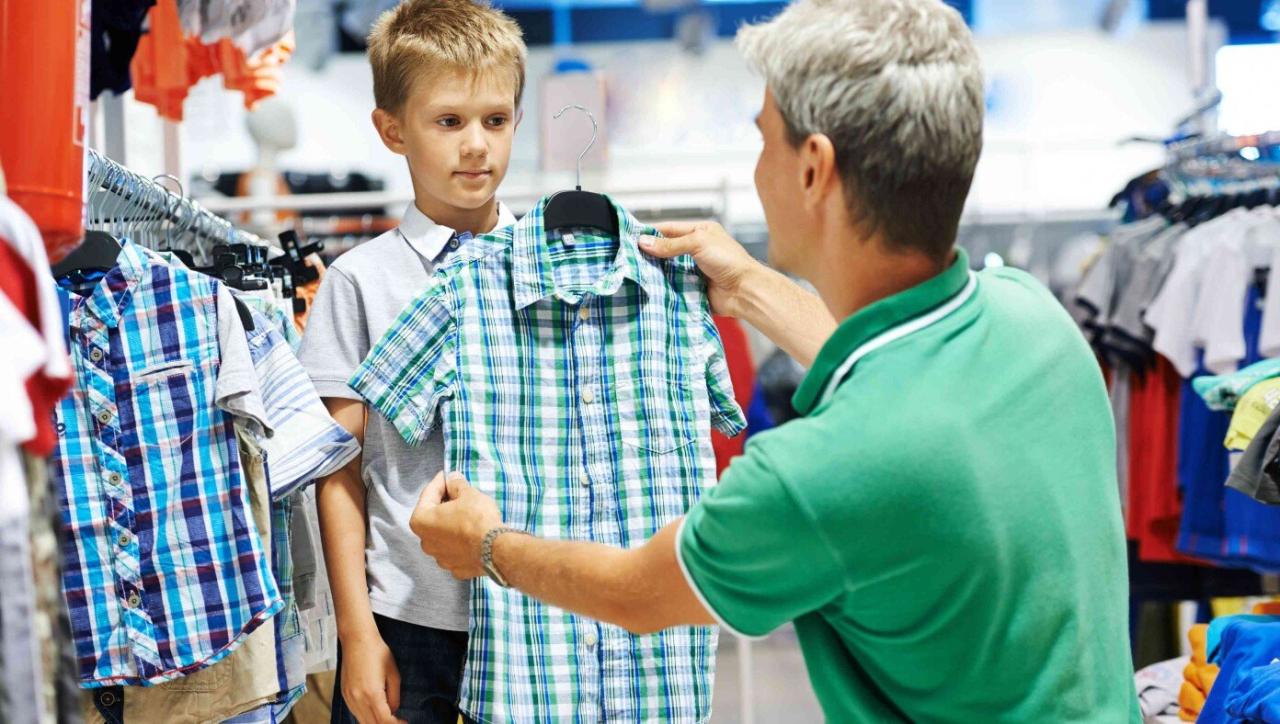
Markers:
(944, 530)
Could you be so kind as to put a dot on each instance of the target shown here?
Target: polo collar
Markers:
(429, 238)
(532, 275)
(876, 319)
(107, 301)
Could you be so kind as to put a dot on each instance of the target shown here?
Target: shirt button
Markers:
(588, 396)
(61, 427)
(133, 600)
(107, 698)
(591, 639)
(584, 314)
(104, 417)
(114, 478)
(453, 243)
(95, 354)
(123, 540)
(584, 480)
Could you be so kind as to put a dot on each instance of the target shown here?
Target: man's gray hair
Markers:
(897, 87)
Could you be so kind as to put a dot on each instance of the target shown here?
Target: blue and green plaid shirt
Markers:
(577, 381)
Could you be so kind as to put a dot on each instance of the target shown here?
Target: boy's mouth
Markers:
(479, 174)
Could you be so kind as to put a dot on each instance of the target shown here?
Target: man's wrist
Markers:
(488, 548)
(754, 292)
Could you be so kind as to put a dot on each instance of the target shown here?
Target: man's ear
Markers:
(819, 175)
(389, 130)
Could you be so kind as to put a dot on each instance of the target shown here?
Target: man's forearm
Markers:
(626, 588)
(794, 319)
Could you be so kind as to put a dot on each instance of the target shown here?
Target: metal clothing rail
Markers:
(119, 197)
(1221, 146)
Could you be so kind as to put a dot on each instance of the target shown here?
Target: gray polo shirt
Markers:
(362, 294)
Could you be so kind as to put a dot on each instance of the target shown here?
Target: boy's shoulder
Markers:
(387, 253)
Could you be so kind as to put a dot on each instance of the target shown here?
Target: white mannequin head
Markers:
(274, 128)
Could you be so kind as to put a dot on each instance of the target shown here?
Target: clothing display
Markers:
(1177, 307)
(252, 25)
(1199, 675)
(554, 346)
(169, 62)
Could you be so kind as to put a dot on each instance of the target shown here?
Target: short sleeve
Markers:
(308, 443)
(726, 414)
(1218, 324)
(337, 336)
(414, 366)
(752, 555)
(237, 389)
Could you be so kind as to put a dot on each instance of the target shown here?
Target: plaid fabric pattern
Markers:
(163, 570)
(577, 382)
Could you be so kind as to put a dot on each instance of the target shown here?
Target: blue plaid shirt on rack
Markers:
(164, 571)
(578, 382)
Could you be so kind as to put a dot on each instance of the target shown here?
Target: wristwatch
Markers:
(486, 554)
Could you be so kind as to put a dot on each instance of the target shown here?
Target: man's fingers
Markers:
(669, 246)
(455, 484)
(433, 494)
(672, 229)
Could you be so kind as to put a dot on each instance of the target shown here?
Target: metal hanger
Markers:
(579, 209)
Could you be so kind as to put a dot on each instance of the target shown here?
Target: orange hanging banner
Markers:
(44, 78)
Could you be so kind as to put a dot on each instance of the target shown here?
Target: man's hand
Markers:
(720, 258)
(452, 519)
(370, 680)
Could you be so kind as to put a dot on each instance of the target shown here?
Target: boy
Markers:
(448, 77)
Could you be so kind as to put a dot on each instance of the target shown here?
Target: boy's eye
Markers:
(497, 121)
(449, 122)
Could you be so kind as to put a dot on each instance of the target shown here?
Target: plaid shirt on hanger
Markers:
(164, 571)
(578, 382)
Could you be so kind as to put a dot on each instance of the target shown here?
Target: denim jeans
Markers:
(430, 663)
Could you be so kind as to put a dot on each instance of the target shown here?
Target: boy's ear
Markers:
(389, 130)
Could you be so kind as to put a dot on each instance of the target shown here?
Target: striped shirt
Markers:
(308, 444)
(164, 571)
(577, 382)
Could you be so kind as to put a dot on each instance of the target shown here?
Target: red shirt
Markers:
(742, 373)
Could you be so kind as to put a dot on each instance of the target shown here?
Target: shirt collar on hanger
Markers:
(113, 292)
(429, 238)
(531, 270)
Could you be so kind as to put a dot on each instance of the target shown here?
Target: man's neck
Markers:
(860, 278)
(480, 220)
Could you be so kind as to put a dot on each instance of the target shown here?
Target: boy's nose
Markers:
(473, 143)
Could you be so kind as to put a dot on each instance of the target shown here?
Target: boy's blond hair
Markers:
(434, 36)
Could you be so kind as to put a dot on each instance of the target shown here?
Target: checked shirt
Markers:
(577, 382)
(164, 571)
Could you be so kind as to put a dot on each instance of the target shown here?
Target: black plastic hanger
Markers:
(97, 252)
(580, 209)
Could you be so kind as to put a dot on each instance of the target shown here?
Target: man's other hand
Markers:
(452, 519)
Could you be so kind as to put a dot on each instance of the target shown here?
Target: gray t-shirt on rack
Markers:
(362, 294)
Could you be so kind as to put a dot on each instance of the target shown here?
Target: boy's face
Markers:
(455, 130)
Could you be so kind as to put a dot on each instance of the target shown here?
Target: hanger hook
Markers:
(595, 130)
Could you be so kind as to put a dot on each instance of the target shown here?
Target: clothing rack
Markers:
(115, 190)
(1220, 146)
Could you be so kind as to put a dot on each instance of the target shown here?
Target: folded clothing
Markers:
(1198, 676)
(1222, 392)
(1256, 695)
(1244, 643)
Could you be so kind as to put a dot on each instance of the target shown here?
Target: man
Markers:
(941, 524)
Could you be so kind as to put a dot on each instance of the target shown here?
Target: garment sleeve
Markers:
(1218, 325)
(237, 390)
(1171, 310)
(726, 414)
(308, 443)
(337, 336)
(413, 367)
(752, 554)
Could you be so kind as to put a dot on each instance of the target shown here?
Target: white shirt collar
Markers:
(429, 238)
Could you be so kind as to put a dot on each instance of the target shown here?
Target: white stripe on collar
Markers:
(894, 334)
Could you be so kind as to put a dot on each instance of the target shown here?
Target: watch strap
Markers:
(486, 554)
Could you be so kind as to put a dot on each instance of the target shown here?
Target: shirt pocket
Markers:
(163, 395)
(655, 413)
